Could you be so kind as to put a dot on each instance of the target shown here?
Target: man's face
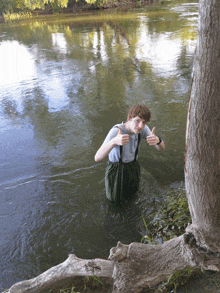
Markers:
(137, 124)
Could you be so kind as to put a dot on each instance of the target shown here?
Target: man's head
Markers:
(141, 111)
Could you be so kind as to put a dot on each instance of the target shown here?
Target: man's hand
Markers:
(153, 139)
(121, 139)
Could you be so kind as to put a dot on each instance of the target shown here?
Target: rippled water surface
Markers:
(64, 82)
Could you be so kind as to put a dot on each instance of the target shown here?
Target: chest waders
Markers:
(122, 179)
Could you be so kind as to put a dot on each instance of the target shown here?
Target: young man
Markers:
(121, 146)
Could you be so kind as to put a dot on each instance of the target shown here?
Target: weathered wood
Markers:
(147, 265)
(131, 267)
(138, 265)
(71, 267)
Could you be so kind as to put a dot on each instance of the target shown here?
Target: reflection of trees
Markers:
(60, 131)
(184, 63)
(166, 18)
(113, 78)
(48, 126)
(9, 108)
(110, 65)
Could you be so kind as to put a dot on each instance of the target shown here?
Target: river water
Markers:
(65, 80)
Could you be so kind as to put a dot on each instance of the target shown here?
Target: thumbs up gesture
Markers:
(121, 139)
(153, 139)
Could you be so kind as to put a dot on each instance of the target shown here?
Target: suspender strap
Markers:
(120, 159)
(136, 152)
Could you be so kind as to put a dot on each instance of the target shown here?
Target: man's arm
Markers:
(154, 140)
(104, 150)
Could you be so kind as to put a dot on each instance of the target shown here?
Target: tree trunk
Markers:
(202, 166)
(135, 266)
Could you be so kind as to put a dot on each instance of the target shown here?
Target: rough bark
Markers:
(202, 166)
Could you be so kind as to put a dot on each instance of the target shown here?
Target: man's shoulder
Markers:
(112, 132)
(115, 127)
(119, 124)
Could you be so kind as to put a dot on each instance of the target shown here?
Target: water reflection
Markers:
(64, 82)
(17, 64)
(59, 42)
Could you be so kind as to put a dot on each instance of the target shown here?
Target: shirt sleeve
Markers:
(112, 133)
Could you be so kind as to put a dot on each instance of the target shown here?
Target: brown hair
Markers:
(141, 111)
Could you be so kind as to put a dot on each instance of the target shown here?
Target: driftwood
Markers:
(131, 267)
(71, 267)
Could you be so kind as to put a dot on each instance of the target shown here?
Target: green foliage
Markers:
(100, 3)
(168, 222)
(11, 6)
(82, 285)
(171, 219)
(17, 16)
(94, 281)
(6, 6)
(56, 5)
(178, 279)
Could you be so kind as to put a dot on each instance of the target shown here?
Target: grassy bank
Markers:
(78, 7)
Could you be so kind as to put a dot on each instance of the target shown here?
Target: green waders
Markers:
(122, 179)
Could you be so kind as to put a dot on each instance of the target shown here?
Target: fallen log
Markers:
(130, 267)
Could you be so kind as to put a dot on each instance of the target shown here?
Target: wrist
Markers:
(160, 140)
(114, 142)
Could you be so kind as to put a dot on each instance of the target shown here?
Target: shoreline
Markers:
(82, 8)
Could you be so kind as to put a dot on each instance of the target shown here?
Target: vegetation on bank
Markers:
(17, 16)
(20, 9)
(16, 6)
(168, 222)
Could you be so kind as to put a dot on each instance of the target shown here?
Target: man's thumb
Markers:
(119, 130)
(153, 131)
